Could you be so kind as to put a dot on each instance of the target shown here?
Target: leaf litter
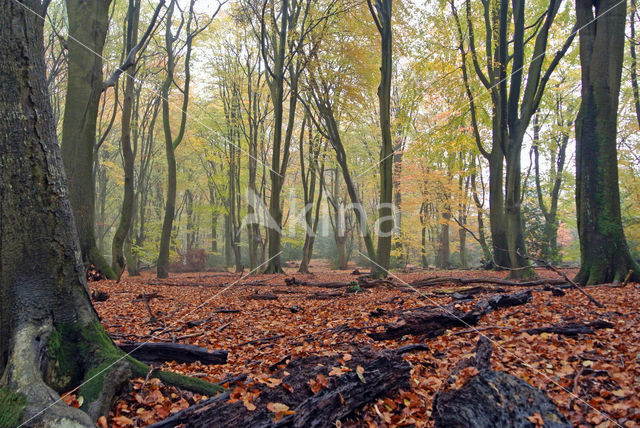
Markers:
(594, 379)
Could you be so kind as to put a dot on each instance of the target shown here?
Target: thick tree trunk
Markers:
(604, 253)
(50, 337)
(88, 23)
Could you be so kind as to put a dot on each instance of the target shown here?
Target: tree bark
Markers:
(634, 61)
(382, 17)
(50, 337)
(171, 142)
(128, 155)
(88, 24)
(604, 252)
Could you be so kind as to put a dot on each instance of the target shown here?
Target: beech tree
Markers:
(515, 98)
(132, 46)
(604, 252)
(88, 25)
(172, 141)
(381, 14)
(51, 339)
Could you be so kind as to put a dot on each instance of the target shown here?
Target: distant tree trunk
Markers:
(312, 178)
(482, 240)
(88, 24)
(255, 117)
(325, 108)
(382, 17)
(171, 142)
(423, 246)
(604, 252)
(549, 250)
(228, 239)
(444, 250)
(51, 339)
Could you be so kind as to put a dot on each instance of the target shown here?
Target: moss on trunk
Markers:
(11, 408)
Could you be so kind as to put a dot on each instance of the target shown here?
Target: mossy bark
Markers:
(51, 340)
(88, 24)
(604, 252)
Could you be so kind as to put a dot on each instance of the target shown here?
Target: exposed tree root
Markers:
(45, 361)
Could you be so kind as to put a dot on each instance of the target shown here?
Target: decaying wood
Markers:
(432, 322)
(362, 281)
(429, 282)
(491, 398)
(572, 329)
(153, 352)
(262, 297)
(383, 374)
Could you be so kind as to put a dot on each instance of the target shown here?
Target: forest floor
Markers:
(594, 379)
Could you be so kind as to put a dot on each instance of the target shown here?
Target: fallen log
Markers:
(324, 296)
(572, 329)
(429, 282)
(153, 352)
(433, 322)
(491, 398)
(317, 398)
(262, 297)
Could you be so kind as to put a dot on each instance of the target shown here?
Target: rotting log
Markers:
(429, 282)
(153, 352)
(490, 398)
(572, 329)
(433, 322)
(383, 374)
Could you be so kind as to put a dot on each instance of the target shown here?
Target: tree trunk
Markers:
(88, 24)
(50, 337)
(462, 236)
(444, 249)
(497, 221)
(634, 61)
(128, 155)
(382, 16)
(326, 111)
(228, 238)
(604, 252)
(172, 143)
(515, 232)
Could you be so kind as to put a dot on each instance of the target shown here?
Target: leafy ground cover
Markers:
(262, 321)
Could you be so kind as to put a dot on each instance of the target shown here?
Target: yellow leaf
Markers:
(277, 407)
